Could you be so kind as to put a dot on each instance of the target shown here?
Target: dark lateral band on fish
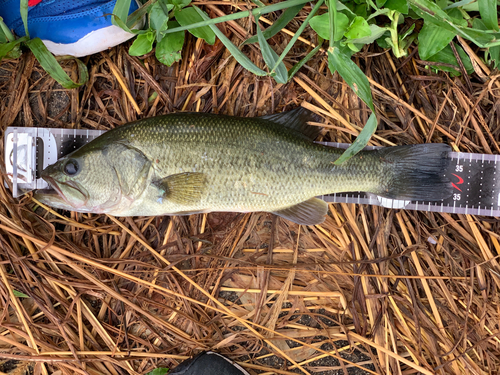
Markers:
(185, 163)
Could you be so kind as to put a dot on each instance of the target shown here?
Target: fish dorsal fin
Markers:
(182, 188)
(297, 119)
(310, 212)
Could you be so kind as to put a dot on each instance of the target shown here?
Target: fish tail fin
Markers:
(416, 172)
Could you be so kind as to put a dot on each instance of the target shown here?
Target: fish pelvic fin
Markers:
(310, 212)
(418, 172)
(182, 188)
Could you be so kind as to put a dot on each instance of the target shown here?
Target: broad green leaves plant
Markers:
(143, 44)
(321, 24)
(159, 19)
(162, 15)
(168, 50)
(433, 39)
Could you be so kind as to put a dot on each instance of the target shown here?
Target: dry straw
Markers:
(371, 290)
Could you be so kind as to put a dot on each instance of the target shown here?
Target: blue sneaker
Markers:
(68, 27)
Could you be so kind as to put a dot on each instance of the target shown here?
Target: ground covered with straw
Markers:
(370, 291)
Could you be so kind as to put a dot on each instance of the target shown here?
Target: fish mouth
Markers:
(56, 189)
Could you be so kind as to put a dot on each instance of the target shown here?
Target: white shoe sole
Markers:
(96, 41)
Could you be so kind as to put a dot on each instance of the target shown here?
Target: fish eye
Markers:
(71, 167)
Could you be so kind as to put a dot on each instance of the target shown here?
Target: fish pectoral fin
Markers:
(310, 212)
(182, 188)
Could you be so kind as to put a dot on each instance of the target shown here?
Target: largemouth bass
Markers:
(186, 163)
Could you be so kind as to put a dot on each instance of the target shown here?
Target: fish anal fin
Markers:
(182, 188)
(310, 212)
(297, 120)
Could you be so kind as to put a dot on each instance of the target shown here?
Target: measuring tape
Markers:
(28, 151)
(475, 177)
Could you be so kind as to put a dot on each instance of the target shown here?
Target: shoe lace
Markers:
(32, 3)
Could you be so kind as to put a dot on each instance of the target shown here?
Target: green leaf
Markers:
(5, 33)
(458, 4)
(142, 44)
(361, 140)
(288, 15)
(168, 51)
(120, 11)
(7, 48)
(159, 371)
(51, 66)
(407, 32)
(471, 7)
(433, 39)
(457, 16)
(384, 43)
(19, 294)
(489, 14)
(188, 16)
(24, 16)
(137, 17)
(359, 28)
(332, 20)
(361, 10)
(341, 7)
(271, 57)
(128, 23)
(354, 47)
(430, 12)
(235, 52)
(399, 5)
(447, 56)
(321, 25)
(494, 56)
(376, 32)
(158, 19)
(3, 38)
(477, 23)
(180, 3)
(351, 74)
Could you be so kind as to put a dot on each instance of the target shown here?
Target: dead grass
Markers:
(371, 290)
